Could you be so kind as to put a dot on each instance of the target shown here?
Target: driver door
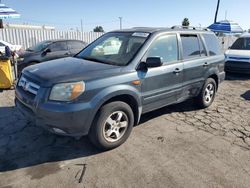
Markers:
(163, 85)
(57, 50)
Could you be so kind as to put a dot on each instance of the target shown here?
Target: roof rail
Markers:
(189, 27)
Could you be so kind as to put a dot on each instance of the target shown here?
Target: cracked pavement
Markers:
(176, 146)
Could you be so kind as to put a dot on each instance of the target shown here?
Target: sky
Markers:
(67, 14)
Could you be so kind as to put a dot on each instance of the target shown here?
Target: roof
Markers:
(162, 29)
(61, 40)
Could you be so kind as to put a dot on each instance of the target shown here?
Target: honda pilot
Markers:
(103, 91)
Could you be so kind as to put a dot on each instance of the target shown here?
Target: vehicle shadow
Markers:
(23, 145)
(246, 95)
(186, 106)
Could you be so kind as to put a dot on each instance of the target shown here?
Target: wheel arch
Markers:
(128, 95)
(216, 79)
(128, 99)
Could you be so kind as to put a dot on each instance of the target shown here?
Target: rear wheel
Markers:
(112, 126)
(207, 95)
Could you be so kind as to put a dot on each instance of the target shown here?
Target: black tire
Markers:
(201, 100)
(97, 135)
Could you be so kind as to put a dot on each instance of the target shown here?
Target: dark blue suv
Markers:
(103, 91)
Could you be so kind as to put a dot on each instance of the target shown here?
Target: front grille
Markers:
(28, 86)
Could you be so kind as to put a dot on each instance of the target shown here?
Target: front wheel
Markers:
(112, 126)
(207, 94)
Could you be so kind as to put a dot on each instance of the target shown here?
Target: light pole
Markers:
(120, 18)
(217, 9)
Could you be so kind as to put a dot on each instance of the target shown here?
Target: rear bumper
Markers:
(222, 76)
(237, 67)
(68, 120)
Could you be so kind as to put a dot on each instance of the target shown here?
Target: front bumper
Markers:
(60, 118)
(237, 67)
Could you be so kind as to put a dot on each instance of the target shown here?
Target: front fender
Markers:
(114, 91)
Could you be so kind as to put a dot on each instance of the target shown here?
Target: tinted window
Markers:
(190, 46)
(241, 44)
(1, 44)
(75, 45)
(164, 47)
(212, 44)
(58, 46)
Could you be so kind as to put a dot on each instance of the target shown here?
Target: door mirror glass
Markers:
(154, 62)
(47, 50)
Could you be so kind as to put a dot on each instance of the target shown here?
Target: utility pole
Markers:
(217, 9)
(120, 18)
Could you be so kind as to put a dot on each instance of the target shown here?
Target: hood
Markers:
(69, 69)
(238, 53)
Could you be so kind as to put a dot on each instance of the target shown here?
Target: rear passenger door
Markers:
(195, 64)
(57, 50)
(75, 47)
(162, 85)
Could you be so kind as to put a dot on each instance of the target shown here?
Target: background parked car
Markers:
(238, 56)
(49, 50)
(12, 47)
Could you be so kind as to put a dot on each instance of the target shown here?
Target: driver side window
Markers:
(58, 46)
(165, 47)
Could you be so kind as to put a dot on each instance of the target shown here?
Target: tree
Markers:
(98, 29)
(216, 13)
(185, 22)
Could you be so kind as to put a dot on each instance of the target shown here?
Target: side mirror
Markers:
(154, 62)
(47, 50)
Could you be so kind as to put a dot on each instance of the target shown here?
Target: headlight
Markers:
(67, 91)
(20, 59)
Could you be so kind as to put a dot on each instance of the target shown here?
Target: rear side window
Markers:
(1, 44)
(212, 43)
(58, 46)
(75, 45)
(191, 46)
(165, 47)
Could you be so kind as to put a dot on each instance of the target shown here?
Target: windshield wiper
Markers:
(94, 59)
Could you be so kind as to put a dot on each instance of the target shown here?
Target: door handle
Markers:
(205, 64)
(177, 71)
(66, 53)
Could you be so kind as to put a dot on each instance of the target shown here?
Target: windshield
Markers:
(39, 46)
(114, 48)
(241, 44)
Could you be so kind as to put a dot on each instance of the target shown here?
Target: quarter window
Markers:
(190, 46)
(165, 47)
